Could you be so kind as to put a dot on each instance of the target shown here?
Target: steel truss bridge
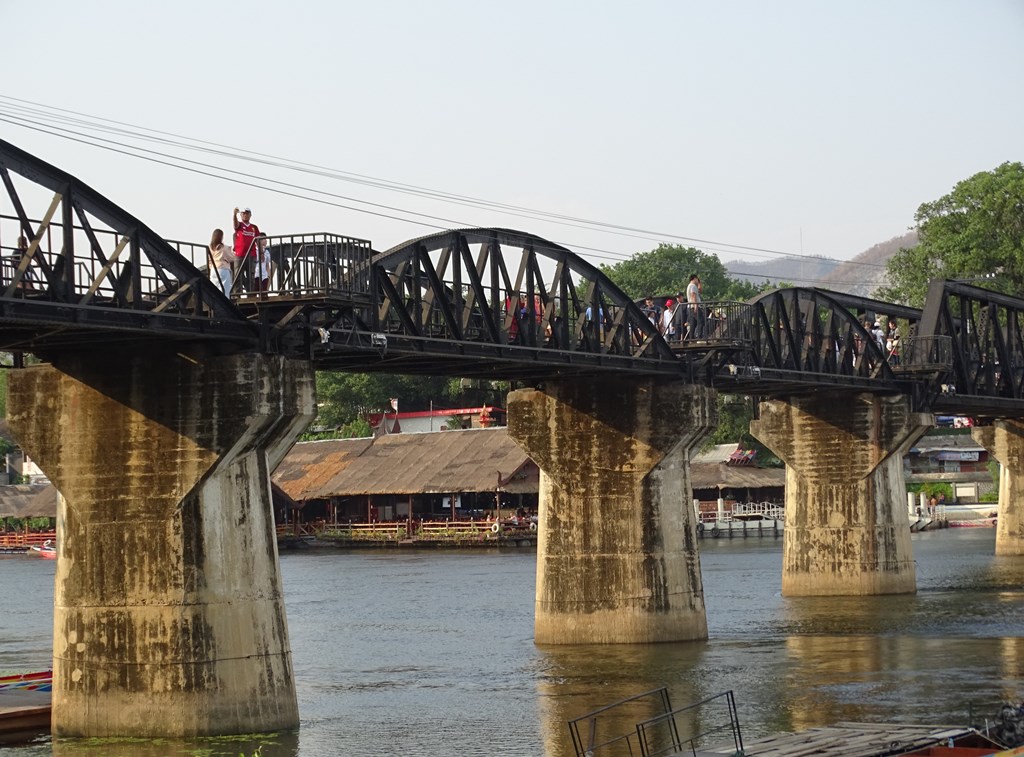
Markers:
(77, 272)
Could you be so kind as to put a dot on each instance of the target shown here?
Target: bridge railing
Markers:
(105, 280)
(923, 353)
(712, 321)
(726, 322)
(293, 265)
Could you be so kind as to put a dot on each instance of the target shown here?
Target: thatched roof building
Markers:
(444, 462)
(28, 501)
(715, 473)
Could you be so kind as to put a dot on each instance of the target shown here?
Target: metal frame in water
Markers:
(660, 734)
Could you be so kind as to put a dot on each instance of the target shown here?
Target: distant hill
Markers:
(861, 275)
(802, 271)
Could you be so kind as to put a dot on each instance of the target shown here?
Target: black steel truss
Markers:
(804, 340)
(88, 270)
(986, 331)
(496, 302)
(80, 272)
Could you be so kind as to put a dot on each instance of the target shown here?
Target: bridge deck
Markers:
(79, 272)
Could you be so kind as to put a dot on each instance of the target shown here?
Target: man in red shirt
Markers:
(246, 250)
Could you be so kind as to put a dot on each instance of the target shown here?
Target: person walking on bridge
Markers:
(246, 250)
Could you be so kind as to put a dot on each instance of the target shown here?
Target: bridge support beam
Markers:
(169, 619)
(617, 558)
(847, 528)
(1004, 440)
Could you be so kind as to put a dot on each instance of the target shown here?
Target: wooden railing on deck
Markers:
(708, 511)
(21, 539)
(428, 531)
(366, 531)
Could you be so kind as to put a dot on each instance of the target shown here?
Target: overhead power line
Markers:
(46, 117)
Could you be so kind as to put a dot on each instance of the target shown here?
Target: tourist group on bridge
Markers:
(683, 318)
(246, 265)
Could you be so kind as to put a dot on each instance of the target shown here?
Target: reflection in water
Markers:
(580, 679)
(432, 653)
(276, 744)
(948, 654)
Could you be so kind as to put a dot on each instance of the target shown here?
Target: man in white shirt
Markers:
(667, 326)
(694, 318)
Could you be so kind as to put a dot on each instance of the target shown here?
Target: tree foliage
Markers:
(734, 416)
(667, 269)
(356, 429)
(975, 230)
(347, 397)
(344, 399)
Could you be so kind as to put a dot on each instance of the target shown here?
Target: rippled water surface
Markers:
(432, 653)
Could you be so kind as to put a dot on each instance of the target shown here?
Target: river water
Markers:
(432, 653)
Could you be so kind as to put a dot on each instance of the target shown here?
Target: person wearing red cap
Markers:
(668, 329)
(246, 249)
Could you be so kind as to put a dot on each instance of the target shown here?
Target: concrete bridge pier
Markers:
(617, 557)
(847, 528)
(1004, 440)
(169, 619)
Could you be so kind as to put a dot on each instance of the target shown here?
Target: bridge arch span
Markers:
(804, 330)
(508, 294)
(89, 270)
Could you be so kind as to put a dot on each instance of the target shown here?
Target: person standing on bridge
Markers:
(651, 311)
(28, 278)
(680, 320)
(879, 335)
(264, 269)
(668, 328)
(892, 343)
(220, 256)
(694, 316)
(246, 250)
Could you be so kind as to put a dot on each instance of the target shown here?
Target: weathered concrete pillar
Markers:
(169, 618)
(1004, 440)
(617, 558)
(847, 529)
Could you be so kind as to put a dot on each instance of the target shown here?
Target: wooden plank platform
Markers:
(847, 740)
(23, 714)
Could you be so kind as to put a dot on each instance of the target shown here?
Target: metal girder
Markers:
(812, 330)
(89, 264)
(80, 272)
(561, 308)
(986, 331)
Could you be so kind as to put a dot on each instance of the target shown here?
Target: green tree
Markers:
(975, 230)
(347, 397)
(667, 269)
(734, 415)
(357, 429)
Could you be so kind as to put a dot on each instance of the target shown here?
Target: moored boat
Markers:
(47, 549)
(40, 681)
(25, 706)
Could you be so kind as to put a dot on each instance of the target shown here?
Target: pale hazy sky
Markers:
(813, 126)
